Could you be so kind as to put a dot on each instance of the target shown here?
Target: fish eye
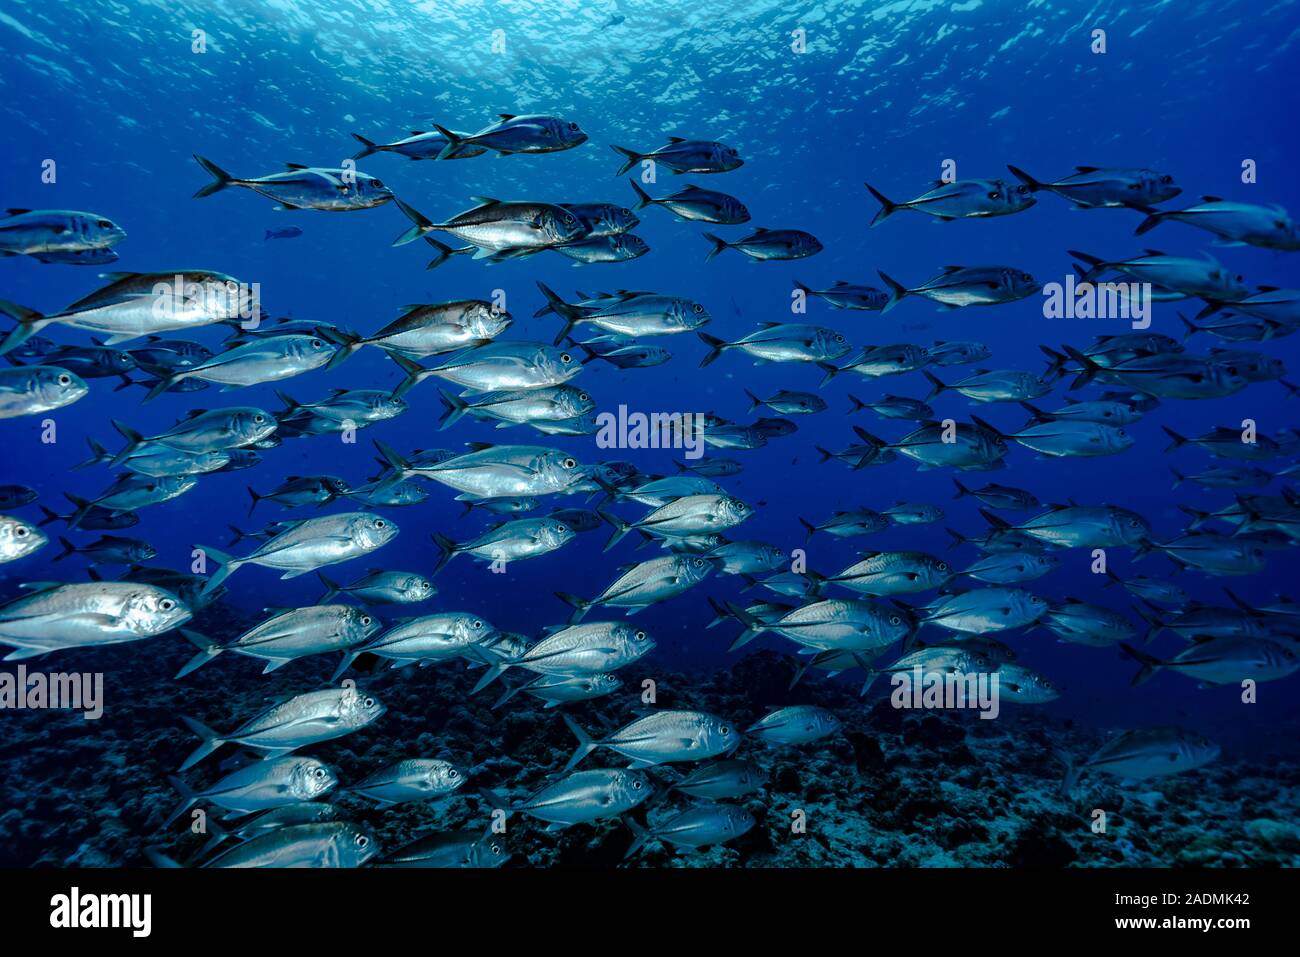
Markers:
(259, 419)
(561, 528)
(1022, 190)
(104, 224)
(365, 619)
(478, 623)
(316, 343)
(895, 620)
(943, 566)
(378, 184)
(583, 397)
(570, 463)
(453, 774)
(379, 523)
(318, 773)
(424, 586)
(839, 338)
(993, 195)
(362, 841)
(639, 636)
(369, 702)
(1123, 434)
(65, 380)
(569, 220)
(496, 849)
(636, 785)
(565, 357)
(166, 604)
(698, 562)
(698, 307)
(20, 531)
(724, 729)
(573, 126)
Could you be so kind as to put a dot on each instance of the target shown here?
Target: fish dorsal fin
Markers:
(1086, 169)
(485, 201)
(1268, 288)
(948, 270)
(479, 446)
(15, 211)
(676, 139)
(507, 116)
(116, 277)
(838, 283)
(1153, 252)
(1212, 199)
(194, 413)
(39, 586)
(296, 166)
(418, 132)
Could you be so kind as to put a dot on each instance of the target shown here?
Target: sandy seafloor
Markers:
(893, 788)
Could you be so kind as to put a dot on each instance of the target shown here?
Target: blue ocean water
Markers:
(115, 95)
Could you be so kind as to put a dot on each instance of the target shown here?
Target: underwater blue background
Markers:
(886, 92)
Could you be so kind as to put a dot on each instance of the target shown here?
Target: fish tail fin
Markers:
(50, 516)
(1191, 327)
(715, 345)
(566, 311)
(640, 836)
(509, 693)
(1178, 440)
(857, 405)
(630, 158)
(454, 142)
(83, 507)
(229, 564)
(962, 490)
(812, 529)
(621, 528)
(441, 252)
(207, 651)
(68, 549)
(188, 798)
(255, 497)
(367, 147)
(210, 742)
(455, 408)
(936, 384)
(718, 245)
(220, 178)
(801, 665)
(420, 224)
(98, 454)
(720, 613)
(446, 551)
(162, 384)
(1088, 371)
(642, 197)
(331, 589)
(887, 206)
(160, 860)
(754, 401)
(579, 605)
(415, 374)
(1179, 477)
(493, 671)
(1096, 265)
(1150, 663)
(1154, 219)
(896, 290)
(585, 743)
(29, 322)
(752, 626)
(133, 442)
(1033, 184)
(1072, 773)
